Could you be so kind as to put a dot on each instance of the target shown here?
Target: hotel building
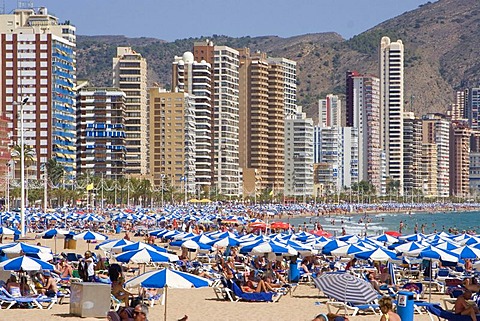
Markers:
(130, 75)
(459, 158)
(391, 107)
(37, 66)
(101, 135)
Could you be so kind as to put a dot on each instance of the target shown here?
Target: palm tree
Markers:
(55, 172)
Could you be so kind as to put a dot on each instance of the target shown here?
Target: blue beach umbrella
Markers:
(137, 246)
(332, 245)
(90, 236)
(348, 250)
(25, 263)
(166, 278)
(6, 231)
(376, 255)
(467, 252)
(145, 256)
(107, 245)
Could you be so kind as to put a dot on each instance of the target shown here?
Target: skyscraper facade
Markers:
(363, 113)
(225, 118)
(195, 78)
(38, 75)
(290, 84)
(130, 75)
(329, 111)
(391, 107)
(472, 110)
(412, 154)
(299, 155)
(101, 135)
(172, 133)
(261, 98)
(460, 134)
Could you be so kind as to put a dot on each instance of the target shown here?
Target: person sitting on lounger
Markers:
(330, 317)
(471, 284)
(119, 292)
(13, 287)
(463, 307)
(386, 307)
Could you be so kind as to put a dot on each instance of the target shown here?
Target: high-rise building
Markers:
(329, 111)
(436, 130)
(391, 107)
(412, 154)
(299, 155)
(101, 146)
(261, 119)
(472, 108)
(172, 139)
(290, 83)
(429, 170)
(363, 113)
(38, 74)
(474, 170)
(225, 118)
(195, 78)
(457, 109)
(459, 158)
(130, 75)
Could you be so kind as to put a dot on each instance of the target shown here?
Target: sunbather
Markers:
(13, 287)
(119, 292)
(386, 307)
(330, 317)
(463, 307)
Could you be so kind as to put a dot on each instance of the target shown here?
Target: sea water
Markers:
(360, 224)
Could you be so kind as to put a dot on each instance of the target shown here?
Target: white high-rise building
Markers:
(290, 94)
(329, 111)
(130, 75)
(391, 107)
(195, 78)
(299, 155)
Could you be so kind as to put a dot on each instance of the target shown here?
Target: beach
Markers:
(200, 304)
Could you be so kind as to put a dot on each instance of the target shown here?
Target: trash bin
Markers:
(293, 273)
(405, 305)
(88, 299)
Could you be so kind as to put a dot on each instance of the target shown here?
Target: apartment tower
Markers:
(225, 117)
(261, 122)
(38, 74)
(130, 75)
(460, 134)
(436, 130)
(329, 111)
(101, 135)
(195, 79)
(172, 140)
(363, 113)
(391, 107)
(289, 69)
(412, 154)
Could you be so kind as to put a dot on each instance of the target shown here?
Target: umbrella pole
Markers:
(165, 294)
(430, 283)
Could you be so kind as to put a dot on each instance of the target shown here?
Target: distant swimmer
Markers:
(400, 228)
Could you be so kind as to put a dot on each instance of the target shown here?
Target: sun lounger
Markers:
(35, 301)
(441, 313)
(222, 291)
(254, 296)
(372, 307)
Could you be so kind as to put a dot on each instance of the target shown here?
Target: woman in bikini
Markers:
(386, 307)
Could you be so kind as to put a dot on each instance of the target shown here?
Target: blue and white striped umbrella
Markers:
(145, 256)
(25, 263)
(107, 245)
(166, 278)
(467, 252)
(24, 248)
(6, 231)
(90, 236)
(347, 250)
(347, 288)
(137, 246)
(54, 233)
(376, 255)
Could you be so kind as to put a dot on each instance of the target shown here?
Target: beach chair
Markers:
(115, 303)
(222, 291)
(254, 296)
(415, 287)
(354, 308)
(33, 301)
(440, 313)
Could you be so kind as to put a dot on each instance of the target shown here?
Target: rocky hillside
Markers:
(441, 42)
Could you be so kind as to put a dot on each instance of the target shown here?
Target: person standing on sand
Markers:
(386, 307)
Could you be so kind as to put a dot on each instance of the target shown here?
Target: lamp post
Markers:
(162, 177)
(22, 170)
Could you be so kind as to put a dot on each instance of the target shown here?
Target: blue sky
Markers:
(178, 19)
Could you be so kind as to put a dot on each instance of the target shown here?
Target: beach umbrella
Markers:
(6, 231)
(25, 263)
(224, 242)
(384, 238)
(166, 278)
(391, 273)
(348, 250)
(406, 247)
(90, 236)
(21, 247)
(332, 245)
(54, 233)
(137, 246)
(347, 288)
(145, 256)
(376, 255)
(109, 244)
(467, 252)
(280, 226)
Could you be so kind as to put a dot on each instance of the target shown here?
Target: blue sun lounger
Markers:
(441, 313)
(254, 296)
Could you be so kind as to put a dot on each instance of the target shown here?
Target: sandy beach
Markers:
(200, 304)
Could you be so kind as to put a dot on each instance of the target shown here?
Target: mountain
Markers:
(441, 55)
